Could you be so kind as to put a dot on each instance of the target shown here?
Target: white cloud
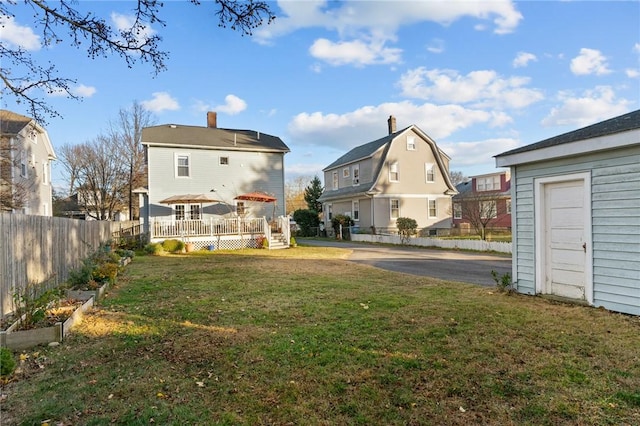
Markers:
(478, 154)
(483, 88)
(436, 46)
(18, 35)
(345, 131)
(354, 52)
(523, 59)
(364, 28)
(232, 105)
(125, 22)
(161, 101)
(589, 61)
(590, 107)
(84, 91)
(632, 73)
(636, 47)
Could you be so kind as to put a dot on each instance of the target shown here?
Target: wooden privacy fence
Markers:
(40, 249)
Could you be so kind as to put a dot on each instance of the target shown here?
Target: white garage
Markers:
(576, 215)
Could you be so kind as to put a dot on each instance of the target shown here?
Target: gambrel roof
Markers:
(211, 138)
(368, 150)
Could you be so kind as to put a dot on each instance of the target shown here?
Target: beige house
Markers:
(403, 174)
(25, 166)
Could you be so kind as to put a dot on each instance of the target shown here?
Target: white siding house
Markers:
(26, 154)
(576, 215)
(209, 163)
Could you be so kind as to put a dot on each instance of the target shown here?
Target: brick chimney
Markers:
(212, 119)
(392, 124)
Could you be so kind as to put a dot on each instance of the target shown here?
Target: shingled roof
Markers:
(363, 151)
(623, 123)
(209, 137)
(11, 123)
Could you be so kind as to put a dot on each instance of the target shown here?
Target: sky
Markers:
(479, 77)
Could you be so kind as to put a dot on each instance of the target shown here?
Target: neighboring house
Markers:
(79, 206)
(216, 165)
(26, 154)
(576, 221)
(403, 174)
(483, 203)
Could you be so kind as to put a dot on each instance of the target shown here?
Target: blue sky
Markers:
(479, 77)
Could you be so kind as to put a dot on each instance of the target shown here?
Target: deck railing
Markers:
(200, 228)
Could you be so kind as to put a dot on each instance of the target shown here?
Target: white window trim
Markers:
(355, 207)
(429, 168)
(457, 211)
(411, 143)
(435, 203)
(345, 172)
(391, 200)
(175, 160)
(495, 209)
(394, 166)
(355, 172)
(335, 180)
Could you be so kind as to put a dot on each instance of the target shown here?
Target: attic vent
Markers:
(173, 126)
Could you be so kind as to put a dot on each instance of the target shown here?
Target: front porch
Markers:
(223, 234)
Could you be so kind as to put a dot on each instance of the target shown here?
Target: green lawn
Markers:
(303, 337)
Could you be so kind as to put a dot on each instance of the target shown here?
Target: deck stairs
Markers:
(278, 241)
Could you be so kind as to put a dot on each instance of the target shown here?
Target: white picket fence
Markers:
(478, 245)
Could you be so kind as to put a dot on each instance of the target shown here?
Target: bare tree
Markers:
(70, 160)
(294, 193)
(15, 189)
(457, 177)
(27, 80)
(479, 211)
(127, 131)
(100, 175)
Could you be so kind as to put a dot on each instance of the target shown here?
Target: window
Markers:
(194, 212)
(45, 173)
(335, 180)
(182, 165)
(411, 143)
(240, 207)
(433, 211)
(490, 183)
(23, 165)
(179, 211)
(488, 209)
(430, 172)
(508, 208)
(356, 174)
(356, 210)
(330, 212)
(395, 209)
(224, 161)
(394, 175)
(345, 172)
(457, 211)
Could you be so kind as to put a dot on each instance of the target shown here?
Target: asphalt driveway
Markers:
(468, 267)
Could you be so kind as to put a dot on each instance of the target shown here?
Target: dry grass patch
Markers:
(302, 336)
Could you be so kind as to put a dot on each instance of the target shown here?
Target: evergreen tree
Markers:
(312, 193)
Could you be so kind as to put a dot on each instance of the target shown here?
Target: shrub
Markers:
(293, 242)
(345, 221)
(153, 248)
(503, 282)
(406, 228)
(307, 220)
(7, 362)
(172, 246)
(105, 272)
(262, 242)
